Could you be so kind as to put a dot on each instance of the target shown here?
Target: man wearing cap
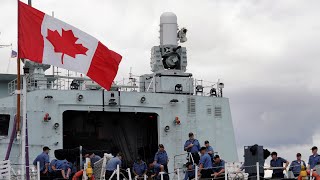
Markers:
(277, 162)
(43, 159)
(218, 167)
(313, 160)
(295, 165)
(190, 173)
(93, 158)
(112, 165)
(156, 169)
(139, 168)
(192, 146)
(161, 157)
(209, 149)
(205, 164)
(63, 167)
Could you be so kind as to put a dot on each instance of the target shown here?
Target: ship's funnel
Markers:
(168, 29)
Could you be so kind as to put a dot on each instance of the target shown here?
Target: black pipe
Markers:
(119, 101)
(102, 100)
(27, 150)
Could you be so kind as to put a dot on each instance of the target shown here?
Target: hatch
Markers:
(131, 133)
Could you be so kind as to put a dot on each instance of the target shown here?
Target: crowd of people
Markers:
(56, 168)
(210, 165)
(278, 164)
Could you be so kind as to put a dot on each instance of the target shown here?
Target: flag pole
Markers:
(18, 92)
(18, 81)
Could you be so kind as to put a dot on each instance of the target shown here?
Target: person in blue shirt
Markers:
(314, 159)
(44, 161)
(161, 157)
(52, 166)
(54, 173)
(205, 164)
(93, 158)
(192, 146)
(278, 162)
(156, 169)
(139, 168)
(218, 167)
(295, 165)
(64, 167)
(210, 150)
(190, 173)
(112, 165)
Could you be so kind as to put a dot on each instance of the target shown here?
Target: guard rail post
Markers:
(38, 170)
(196, 173)
(225, 171)
(129, 173)
(118, 172)
(258, 173)
(178, 173)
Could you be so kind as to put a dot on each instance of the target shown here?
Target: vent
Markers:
(209, 110)
(191, 106)
(217, 112)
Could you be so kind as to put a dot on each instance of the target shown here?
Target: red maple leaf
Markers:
(66, 43)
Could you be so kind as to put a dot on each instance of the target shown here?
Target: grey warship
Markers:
(158, 108)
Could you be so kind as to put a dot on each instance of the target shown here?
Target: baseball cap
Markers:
(216, 156)
(138, 158)
(203, 148)
(46, 148)
(274, 153)
(314, 148)
(188, 164)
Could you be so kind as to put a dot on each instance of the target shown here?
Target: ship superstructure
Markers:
(165, 108)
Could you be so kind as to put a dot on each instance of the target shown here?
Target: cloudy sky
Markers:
(265, 51)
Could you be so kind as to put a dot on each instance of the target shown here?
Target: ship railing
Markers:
(5, 169)
(233, 171)
(10, 171)
(188, 157)
(12, 86)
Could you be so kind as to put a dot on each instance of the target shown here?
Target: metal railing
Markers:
(9, 171)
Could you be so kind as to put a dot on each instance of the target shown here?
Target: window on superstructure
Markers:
(4, 124)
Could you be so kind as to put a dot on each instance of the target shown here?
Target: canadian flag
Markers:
(47, 40)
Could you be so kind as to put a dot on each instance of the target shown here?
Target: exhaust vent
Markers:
(191, 106)
(218, 112)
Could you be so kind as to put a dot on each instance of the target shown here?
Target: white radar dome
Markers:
(168, 17)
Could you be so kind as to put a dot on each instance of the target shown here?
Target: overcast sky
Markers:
(266, 52)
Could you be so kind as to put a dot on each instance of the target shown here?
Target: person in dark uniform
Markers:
(192, 146)
(278, 162)
(190, 173)
(210, 150)
(314, 159)
(112, 165)
(161, 158)
(93, 158)
(218, 167)
(295, 166)
(205, 164)
(139, 168)
(43, 159)
(155, 170)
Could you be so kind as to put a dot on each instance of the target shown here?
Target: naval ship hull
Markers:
(133, 122)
